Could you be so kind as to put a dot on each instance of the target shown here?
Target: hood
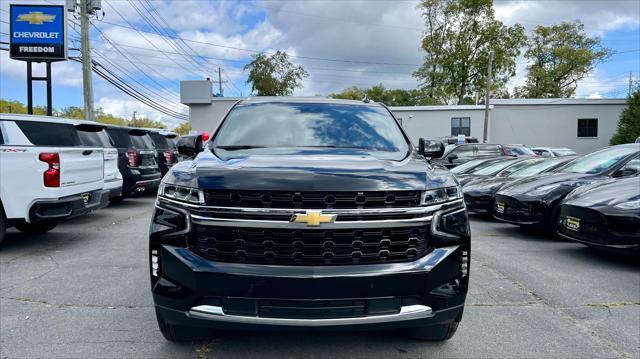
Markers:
(606, 193)
(309, 170)
(551, 181)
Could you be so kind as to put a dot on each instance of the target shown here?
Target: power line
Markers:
(115, 80)
(258, 51)
(140, 32)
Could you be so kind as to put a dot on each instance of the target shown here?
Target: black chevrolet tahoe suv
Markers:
(308, 213)
(137, 160)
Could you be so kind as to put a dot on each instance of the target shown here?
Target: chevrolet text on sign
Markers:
(37, 32)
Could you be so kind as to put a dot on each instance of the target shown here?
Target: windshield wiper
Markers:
(238, 147)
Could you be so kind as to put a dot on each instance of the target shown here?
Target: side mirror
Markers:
(190, 146)
(430, 149)
(452, 157)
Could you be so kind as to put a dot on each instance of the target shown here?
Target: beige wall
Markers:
(553, 126)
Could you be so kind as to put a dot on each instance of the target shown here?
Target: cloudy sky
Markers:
(341, 43)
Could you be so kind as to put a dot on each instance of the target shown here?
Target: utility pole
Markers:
(86, 60)
(220, 82)
(630, 85)
(487, 94)
(133, 119)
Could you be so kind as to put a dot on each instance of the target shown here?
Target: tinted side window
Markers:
(119, 137)
(159, 141)
(49, 134)
(1, 138)
(632, 166)
(491, 150)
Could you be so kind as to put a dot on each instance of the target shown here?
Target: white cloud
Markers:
(595, 95)
(598, 16)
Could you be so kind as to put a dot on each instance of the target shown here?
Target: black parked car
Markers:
(498, 169)
(166, 151)
(455, 155)
(534, 201)
(136, 159)
(308, 214)
(604, 215)
(479, 196)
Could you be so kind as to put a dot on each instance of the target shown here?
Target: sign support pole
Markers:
(49, 95)
(30, 79)
(29, 89)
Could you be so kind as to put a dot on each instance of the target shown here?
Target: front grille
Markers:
(309, 246)
(312, 200)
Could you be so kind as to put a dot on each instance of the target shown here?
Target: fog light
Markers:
(154, 263)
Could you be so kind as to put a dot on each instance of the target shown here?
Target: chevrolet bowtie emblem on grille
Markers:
(313, 218)
(36, 18)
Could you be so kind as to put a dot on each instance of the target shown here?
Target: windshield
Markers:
(519, 165)
(285, 125)
(600, 161)
(494, 168)
(467, 166)
(537, 167)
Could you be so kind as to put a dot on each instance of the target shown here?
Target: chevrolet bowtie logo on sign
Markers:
(37, 32)
(313, 218)
(36, 18)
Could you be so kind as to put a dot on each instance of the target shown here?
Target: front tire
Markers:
(179, 333)
(36, 228)
(434, 333)
(3, 224)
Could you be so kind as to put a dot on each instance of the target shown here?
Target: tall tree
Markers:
(629, 124)
(458, 38)
(390, 97)
(274, 75)
(183, 128)
(560, 56)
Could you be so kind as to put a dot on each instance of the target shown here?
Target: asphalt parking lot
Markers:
(83, 291)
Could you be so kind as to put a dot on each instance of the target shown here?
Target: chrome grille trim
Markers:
(251, 223)
(291, 211)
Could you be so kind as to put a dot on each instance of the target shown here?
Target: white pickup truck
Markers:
(46, 174)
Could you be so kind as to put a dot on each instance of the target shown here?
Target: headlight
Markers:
(628, 205)
(440, 195)
(180, 193)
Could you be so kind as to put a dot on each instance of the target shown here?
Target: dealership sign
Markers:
(37, 32)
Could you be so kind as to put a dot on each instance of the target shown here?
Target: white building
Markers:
(581, 124)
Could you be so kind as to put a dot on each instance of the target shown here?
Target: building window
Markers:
(587, 127)
(460, 126)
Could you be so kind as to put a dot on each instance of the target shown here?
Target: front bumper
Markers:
(229, 295)
(479, 202)
(191, 290)
(61, 209)
(614, 232)
(526, 212)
